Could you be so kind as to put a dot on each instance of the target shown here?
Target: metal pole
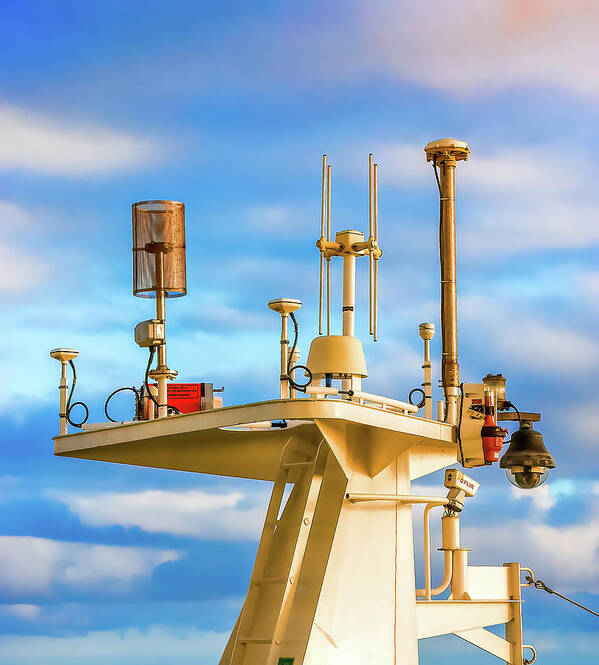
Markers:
(293, 361)
(449, 313)
(427, 332)
(161, 316)
(323, 215)
(370, 237)
(63, 387)
(329, 174)
(427, 547)
(349, 293)
(428, 396)
(284, 356)
(444, 154)
(375, 296)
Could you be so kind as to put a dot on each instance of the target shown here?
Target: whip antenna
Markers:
(376, 254)
(323, 209)
(328, 257)
(370, 237)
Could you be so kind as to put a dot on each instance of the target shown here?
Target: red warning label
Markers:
(187, 397)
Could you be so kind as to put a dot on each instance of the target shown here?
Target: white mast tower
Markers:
(334, 581)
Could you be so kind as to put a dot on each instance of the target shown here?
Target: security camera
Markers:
(460, 486)
(527, 461)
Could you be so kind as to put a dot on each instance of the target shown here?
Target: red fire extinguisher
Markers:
(491, 434)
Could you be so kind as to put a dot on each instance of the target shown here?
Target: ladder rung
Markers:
(269, 580)
(254, 640)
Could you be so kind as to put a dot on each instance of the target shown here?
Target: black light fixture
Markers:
(527, 461)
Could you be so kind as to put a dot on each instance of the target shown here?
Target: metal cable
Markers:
(148, 391)
(70, 406)
(298, 386)
(539, 584)
(138, 401)
(421, 402)
(511, 405)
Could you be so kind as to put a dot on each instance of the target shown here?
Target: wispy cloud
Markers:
(36, 142)
(152, 646)
(528, 340)
(35, 565)
(505, 44)
(25, 611)
(223, 516)
(21, 268)
(545, 548)
(512, 196)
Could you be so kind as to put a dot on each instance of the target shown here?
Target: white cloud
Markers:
(565, 557)
(34, 565)
(155, 646)
(506, 170)
(20, 611)
(569, 643)
(518, 200)
(21, 270)
(276, 219)
(577, 421)
(480, 47)
(15, 217)
(555, 223)
(547, 496)
(542, 498)
(527, 340)
(183, 513)
(39, 143)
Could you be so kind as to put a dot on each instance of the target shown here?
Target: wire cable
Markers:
(460, 424)
(173, 409)
(298, 386)
(146, 375)
(510, 405)
(539, 584)
(437, 175)
(419, 404)
(442, 267)
(118, 390)
(70, 406)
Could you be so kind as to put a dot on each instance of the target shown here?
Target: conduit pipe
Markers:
(427, 553)
(449, 535)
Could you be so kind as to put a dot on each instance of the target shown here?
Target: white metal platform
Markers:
(197, 442)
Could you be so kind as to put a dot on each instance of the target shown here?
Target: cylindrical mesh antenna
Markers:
(159, 225)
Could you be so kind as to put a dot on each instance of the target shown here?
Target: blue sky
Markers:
(228, 107)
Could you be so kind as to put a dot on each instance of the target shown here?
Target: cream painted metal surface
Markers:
(334, 578)
(63, 356)
(202, 442)
(322, 555)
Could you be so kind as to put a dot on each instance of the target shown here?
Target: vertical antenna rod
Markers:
(328, 257)
(161, 366)
(323, 209)
(444, 154)
(377, 255)
(370, 238)
(427, 332)
(284, 307)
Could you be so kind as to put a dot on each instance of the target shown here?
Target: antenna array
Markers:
(349, 245)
